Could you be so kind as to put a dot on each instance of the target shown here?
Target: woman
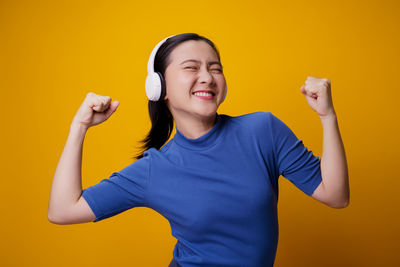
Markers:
(216, 180)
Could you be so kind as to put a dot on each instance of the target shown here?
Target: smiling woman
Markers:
(216, 180)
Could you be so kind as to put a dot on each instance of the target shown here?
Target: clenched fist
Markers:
(94, 110)
(317, 92)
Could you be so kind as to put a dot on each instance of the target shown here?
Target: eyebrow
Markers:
(198, 61)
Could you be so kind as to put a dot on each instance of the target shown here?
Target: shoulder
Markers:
(254, 120)
(255, 125)
(140, 166)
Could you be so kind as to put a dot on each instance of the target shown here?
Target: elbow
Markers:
(340, 205)
(55, 219)
(346, 203)
(339, 200)
(51, 218)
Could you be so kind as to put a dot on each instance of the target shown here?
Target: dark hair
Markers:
(160, 116)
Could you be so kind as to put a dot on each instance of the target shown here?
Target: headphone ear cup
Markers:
(163, 87)
(153, 86)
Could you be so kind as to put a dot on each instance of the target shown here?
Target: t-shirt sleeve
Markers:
(123, 190)
(294, 161)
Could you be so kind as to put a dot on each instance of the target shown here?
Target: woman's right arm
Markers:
(66, 205)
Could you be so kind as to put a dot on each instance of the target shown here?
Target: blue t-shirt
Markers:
(219, 192)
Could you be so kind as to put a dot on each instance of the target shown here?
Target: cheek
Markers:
(220, 79)
(178, 88)
(181, 82)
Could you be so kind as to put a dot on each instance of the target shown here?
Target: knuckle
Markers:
(96, 102)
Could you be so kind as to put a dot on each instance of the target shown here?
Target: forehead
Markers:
(199, 50)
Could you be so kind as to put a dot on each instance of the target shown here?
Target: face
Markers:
(194, 66)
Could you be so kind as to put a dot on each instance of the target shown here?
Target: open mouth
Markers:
(204, 96)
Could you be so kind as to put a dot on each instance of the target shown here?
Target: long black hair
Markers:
(160, 116)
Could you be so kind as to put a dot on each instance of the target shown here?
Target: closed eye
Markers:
(219, 70)
(193, 68)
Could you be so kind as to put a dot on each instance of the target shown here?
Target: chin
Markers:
(206, 111)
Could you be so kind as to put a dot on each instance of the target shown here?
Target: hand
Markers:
(318, 95)
(94, 110)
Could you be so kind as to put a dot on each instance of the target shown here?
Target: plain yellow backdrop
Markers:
(54, 52)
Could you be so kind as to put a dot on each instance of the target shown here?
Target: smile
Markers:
(203, 95)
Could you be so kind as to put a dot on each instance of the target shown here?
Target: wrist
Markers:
(330, 115)
(329, 119)
(78, 127)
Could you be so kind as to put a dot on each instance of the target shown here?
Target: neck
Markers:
(194, 127)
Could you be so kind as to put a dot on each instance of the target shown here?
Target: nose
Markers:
(205, 77)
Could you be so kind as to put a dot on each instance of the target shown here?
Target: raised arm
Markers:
(334, 189)
(66, 206)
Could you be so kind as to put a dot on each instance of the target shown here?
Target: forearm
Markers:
(333, 163)
(67, 184)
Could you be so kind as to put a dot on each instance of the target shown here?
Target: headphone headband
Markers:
(150, 64)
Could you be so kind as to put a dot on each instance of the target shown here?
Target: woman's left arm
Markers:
(334, 189)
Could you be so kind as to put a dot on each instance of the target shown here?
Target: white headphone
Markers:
(155, 83)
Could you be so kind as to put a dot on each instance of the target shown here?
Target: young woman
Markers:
(216, 180)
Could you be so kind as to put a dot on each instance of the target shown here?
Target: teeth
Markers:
(203, 94)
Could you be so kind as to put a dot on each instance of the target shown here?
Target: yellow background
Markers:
(53, 52)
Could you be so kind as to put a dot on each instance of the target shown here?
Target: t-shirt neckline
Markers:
(203, 142)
